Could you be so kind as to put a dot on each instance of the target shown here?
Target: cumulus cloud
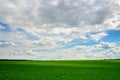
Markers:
(46, 18)
(28, 51)
(22, 52)
(73, 13)
(1, 27)
(98, 36)
(108, 50)
(107, 45)
(6, 43)
(103, 50)
(46, 23)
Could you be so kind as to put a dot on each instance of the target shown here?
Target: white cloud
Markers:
(47, 19)
(107, 45)
(55, 2)
(1, 27)
(98, 51)
(19, 52)
(66, 12)
(28, 51)
(52, 21)
(98, 36)
(83, 37)
(47, 42)
(6, 43)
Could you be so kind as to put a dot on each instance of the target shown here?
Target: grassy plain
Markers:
(60, 70)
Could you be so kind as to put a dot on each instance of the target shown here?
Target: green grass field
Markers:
(60, 70)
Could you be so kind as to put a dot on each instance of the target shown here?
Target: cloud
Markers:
(46, 42)
(6, 43)
(67, 18)
(106, 51)
(28, 51)
(1, 27)
(98, 36)
(4, 27)
(107, 45)
(22, 52)
(53, 24)
(103, 50)
(72, 13)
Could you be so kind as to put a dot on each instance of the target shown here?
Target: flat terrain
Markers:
(60, 70)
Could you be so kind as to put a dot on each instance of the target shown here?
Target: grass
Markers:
(60, 70)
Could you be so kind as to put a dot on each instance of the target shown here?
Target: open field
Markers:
(60, 70)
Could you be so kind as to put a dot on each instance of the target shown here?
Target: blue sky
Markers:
(59, 29)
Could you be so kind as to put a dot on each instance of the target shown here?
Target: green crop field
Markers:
(60, 70)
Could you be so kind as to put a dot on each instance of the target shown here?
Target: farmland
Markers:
(60, 70)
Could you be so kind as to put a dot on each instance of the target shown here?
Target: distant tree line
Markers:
(39, 60)
(13, 60)
(112, 59)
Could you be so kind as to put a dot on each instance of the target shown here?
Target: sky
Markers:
(59, 29)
